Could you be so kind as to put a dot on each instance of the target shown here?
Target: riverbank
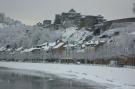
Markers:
(122, 78)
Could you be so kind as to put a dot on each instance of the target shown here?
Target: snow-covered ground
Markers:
(121, 78)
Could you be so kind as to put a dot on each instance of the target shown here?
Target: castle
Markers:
(73, 18)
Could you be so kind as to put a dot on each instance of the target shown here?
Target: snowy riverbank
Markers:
(122, 78)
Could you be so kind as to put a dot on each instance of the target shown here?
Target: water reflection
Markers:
(9, 79)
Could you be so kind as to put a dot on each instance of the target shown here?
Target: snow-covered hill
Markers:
(74, 35)
(27, 36)
(118, 40)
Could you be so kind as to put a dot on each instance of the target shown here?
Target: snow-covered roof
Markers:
(96, 42)
(43, 44)
(46, 48)
(58, 45)
(2, 49)
(47, 45)
(8, 50)
(83, 45)
(29, 50)
(102, 41)
(52, 44)
(89, 43)
(19, 49)
(92, 42)
(70, 45)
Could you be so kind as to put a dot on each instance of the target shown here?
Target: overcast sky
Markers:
(33, 11)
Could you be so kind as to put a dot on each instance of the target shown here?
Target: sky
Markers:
(32, 11)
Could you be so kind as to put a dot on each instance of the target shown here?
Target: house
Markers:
(59, 47)
(113, 63)
(92, 43)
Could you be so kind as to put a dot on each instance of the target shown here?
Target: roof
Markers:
(19, 49)
(92, 43)
(30, 50)
(52, 44)
(58, 45)
(44, 44)
(70, 45)
(2, 49)
(72, 11)
(46, 48)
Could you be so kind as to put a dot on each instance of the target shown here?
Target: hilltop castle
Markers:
(73, 18)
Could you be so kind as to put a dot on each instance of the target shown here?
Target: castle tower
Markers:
(72, 11)
(2, 16)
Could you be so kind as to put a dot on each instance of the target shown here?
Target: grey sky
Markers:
(33, 11)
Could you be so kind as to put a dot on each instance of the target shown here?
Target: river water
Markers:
(21, 79)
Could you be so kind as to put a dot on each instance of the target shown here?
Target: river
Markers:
(22, 79)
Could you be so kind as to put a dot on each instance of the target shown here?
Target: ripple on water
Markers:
(20, 79)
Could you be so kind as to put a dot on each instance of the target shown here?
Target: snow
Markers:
(44, 44)
(52, 44)
(2, 49)
(73, 35)
(8, 50)
(121, 78)
(68, 33)
(19, 49)
(88, 43)
(29, 50)
(70, 45)
(116, 44)
(92, 42)
(46, 48)
(58, 45)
